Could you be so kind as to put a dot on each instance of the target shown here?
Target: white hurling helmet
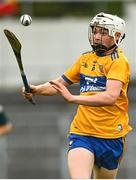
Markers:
(108, 21)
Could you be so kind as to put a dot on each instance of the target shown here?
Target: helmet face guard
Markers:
(101, 48)
(109, 22)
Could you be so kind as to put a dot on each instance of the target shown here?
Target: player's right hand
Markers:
(29, 95)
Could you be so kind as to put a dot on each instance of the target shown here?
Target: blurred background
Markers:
(36, 148)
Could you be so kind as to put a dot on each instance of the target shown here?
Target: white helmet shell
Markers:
(111, 22)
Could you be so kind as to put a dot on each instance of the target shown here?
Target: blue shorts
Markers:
(107, 152)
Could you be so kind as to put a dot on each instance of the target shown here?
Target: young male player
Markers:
(100, 125)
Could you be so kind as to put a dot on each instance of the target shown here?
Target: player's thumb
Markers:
(32, 89)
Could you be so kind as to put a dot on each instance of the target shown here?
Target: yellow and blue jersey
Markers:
(92, 72)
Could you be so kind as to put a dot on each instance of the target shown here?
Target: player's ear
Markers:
(117, 35)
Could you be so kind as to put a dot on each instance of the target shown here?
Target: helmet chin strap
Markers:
(101, 48)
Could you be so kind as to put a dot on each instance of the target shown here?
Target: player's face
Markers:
(101, 36)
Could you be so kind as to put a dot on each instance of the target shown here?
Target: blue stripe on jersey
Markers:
(114, 55)
(92, 83)
(66, 79)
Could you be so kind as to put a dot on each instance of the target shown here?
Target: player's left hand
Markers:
(62, 90)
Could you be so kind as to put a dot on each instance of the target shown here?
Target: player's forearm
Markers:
(101, 99)
(45, 89)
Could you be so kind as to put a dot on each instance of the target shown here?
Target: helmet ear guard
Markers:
(123, 37)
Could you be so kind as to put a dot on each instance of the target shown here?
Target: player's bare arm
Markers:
(44, 89)
(108, 97)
